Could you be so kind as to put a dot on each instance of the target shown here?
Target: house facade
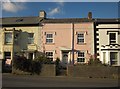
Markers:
(19, 35)
(70, 40)
(108, 41)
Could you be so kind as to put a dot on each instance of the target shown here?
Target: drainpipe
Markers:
(73, 43)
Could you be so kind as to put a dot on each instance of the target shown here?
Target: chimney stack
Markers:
(90, 15)
(42, 14)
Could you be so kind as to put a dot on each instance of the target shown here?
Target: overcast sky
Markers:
(60, 9)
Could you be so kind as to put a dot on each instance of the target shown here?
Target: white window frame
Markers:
(81, 37)
(11, 38)
(116, 40)
(50, 56)
(30, 38)
(49, 38)
(114, 60)
(104, 57)
(81, 57)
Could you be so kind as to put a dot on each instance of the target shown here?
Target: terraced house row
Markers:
(73, 40)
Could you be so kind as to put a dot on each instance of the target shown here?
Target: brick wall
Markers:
(93, 71)
(48, 70)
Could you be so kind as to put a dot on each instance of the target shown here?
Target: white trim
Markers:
(49, 38)
(116, 37)
(52, 52)
(84, 34)
(82, 57)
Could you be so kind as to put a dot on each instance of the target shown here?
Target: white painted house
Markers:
(108, 41)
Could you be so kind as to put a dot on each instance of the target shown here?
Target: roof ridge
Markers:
(20, 17)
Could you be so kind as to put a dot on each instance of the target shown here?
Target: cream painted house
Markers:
(20, 34)
(108, 41)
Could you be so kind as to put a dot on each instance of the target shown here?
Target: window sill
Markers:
(80, 62)
(49, 43)
(81, 43)
(8, 44)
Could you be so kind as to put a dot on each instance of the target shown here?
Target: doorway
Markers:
(7, 56)
(113, 58)
(64, 59)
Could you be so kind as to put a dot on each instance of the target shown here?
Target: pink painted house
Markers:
(71, 40)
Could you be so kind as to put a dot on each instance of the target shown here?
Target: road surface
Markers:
(9, 80)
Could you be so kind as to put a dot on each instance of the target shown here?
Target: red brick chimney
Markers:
(42, 14)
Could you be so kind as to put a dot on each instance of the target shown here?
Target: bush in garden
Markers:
(34, 66)
(20, 62)
(94, 61)
(23, 64)
(57, 63)
(41, 57)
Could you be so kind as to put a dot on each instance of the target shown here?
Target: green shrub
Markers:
(23, 64)
(94, 61)
(41, 57)
(35, 67)
(57, 63)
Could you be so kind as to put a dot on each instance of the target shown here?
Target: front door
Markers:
(113, 58)
(7, 56)
(64, 59)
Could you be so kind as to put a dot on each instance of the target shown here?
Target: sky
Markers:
(60, 9)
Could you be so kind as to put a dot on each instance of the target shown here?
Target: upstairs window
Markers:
(16, 39)
(30, 38)
(8, 38)
(49, 38)
(112, 38)
(80, 38)
(81, 57)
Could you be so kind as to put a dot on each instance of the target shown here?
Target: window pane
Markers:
(49, 55)
(49, 35)
(80, 54)
(80, 38)
(30, 38)
(8, 37)
(80, 59)
(112, 36)
(49, 38)
(113, 58)
(104, 57)
(31, 35)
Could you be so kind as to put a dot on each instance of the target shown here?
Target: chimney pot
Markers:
(89, 15)
(42, 14)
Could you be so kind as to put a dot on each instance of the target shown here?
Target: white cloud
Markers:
(60, 2)
(15, 0)
(54, 11)
(10, 6)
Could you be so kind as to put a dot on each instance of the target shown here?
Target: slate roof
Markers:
(19, 20)
(8, 21)
(66, 20)
(104, 20)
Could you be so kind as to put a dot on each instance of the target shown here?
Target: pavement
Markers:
(10, 80)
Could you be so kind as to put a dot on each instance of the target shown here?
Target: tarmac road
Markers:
(9, 80)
